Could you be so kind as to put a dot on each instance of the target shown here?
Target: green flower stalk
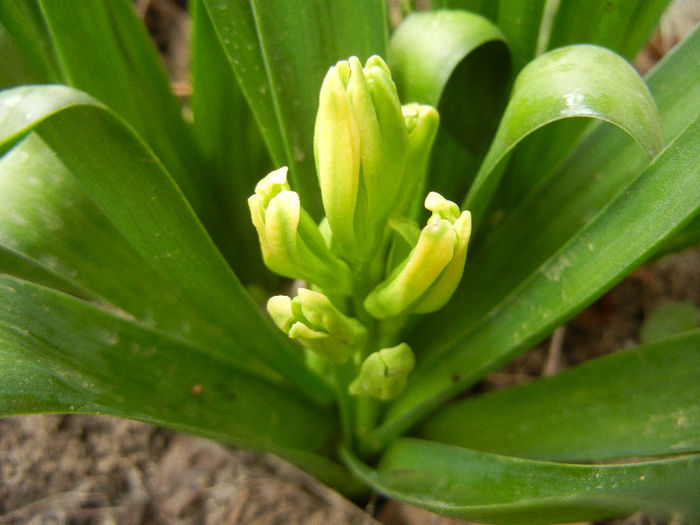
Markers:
(384, 373)
(428, 277)
(360, 143)
(291, 242)
(319, 326)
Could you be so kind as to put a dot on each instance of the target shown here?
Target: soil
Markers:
(85, 470)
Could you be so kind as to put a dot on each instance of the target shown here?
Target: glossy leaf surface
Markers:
(489, 488)
(148, 210)
(116, 300)
(640, 402)
(109, 36)
(455, 61)
(560, 206)
(47, 218)
(577, 81)
(622, 26)
(427, 47)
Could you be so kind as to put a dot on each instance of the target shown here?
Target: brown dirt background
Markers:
(91, 470)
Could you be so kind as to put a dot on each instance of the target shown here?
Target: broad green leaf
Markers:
(236, 29)
(534, 26)
(457, 61)
(21, 106)
(428, 46)
(108, 37)
(669, 319)
(576, 81)
(527, 24)
(489, 488)
(549, 217)
(624, 27)
(688, 236)
(234, 151)
(130, 186)
(552, 213)
(19, 265)
(616, 240)
(487, 8)
(58, 354)
(25, 53)
(47, 218)
(621, 25)
(280, 52)
(639, 402)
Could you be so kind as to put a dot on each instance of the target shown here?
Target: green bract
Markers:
(132, 280)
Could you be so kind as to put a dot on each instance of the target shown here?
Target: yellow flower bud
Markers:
(291, 242)
(319, 326)
(428, 277)
(384, 373)
(361, 144)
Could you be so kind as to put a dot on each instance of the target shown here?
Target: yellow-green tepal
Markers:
(318, 325)
(428, 277)
(291, 242)
(360, 143)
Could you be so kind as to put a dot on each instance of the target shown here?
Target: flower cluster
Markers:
(368, 264)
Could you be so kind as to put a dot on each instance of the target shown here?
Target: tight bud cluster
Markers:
(371, 158)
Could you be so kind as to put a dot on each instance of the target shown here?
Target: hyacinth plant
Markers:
(441, 194)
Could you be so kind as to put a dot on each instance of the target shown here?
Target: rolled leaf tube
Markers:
(319, 326)
(291, 242)
(384, 373)
(428, 277)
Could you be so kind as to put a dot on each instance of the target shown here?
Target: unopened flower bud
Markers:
(360, 143)
(384, 373)
(422, 124)
(428, 277)
(291, 242)
(319, 326)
